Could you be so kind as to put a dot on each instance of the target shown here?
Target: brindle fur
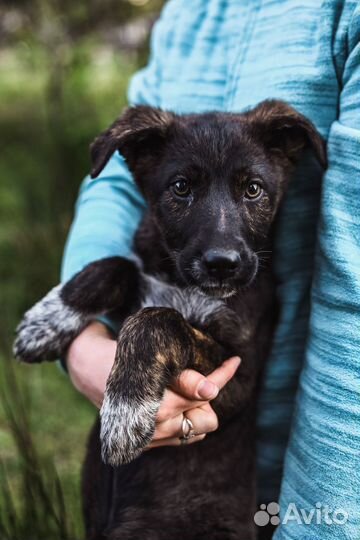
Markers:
(181, 317)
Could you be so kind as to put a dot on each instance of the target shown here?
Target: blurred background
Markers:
(64, 70)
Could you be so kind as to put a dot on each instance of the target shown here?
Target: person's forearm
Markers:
(89, 360)
(108, 212)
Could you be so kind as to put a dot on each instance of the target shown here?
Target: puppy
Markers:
(198, 292)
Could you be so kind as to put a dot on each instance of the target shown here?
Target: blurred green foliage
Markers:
(64, 70)
(48, 119)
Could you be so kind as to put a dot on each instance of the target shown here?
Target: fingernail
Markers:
(207, 390)
(238, 360)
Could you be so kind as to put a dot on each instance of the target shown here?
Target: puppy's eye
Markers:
(181, 188)
(253, 190)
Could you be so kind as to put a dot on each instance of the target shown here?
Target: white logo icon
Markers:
(267, 514)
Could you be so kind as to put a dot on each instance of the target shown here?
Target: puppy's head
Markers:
(213, 182)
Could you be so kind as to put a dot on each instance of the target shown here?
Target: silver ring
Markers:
(188, 431)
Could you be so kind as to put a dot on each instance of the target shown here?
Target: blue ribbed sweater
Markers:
(228, 55)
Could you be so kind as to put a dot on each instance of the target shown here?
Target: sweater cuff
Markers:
(110, 324)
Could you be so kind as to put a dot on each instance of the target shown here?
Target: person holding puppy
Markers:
(229, 56)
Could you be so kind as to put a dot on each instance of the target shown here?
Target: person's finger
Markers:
(169, 428)
(174, 441)
(194, 385)
(188, 387)
(222, 375)
(203, 419)
(173, 404)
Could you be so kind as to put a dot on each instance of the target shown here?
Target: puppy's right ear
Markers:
(139, 134)
(285, 131)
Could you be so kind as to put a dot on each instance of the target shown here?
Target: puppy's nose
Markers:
(221, 263)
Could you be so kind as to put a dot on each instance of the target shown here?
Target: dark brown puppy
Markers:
(198, 294)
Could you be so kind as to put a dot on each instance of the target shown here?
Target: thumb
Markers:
(222, 375)
(193, 385)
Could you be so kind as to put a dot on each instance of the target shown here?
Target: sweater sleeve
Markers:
(109, 207)
(322, 466)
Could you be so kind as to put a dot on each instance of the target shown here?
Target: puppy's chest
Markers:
(233, 322)
(195, 307)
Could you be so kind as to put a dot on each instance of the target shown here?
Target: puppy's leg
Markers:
(237, 338)
(154, 346)
(48, 328)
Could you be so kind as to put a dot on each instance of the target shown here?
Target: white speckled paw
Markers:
(127, 428)
(47, 329)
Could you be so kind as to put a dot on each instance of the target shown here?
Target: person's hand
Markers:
(190, 395)
(89, 362)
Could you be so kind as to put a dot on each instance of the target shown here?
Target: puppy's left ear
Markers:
(285, 131)
(139, 134)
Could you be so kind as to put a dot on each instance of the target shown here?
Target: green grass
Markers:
(50, 110)
(43, 430)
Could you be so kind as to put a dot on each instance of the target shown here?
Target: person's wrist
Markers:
(94, 331)
(89, 360)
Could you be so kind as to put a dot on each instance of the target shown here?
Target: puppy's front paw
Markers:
(46, 329)
(127, 427)
(153, 345)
